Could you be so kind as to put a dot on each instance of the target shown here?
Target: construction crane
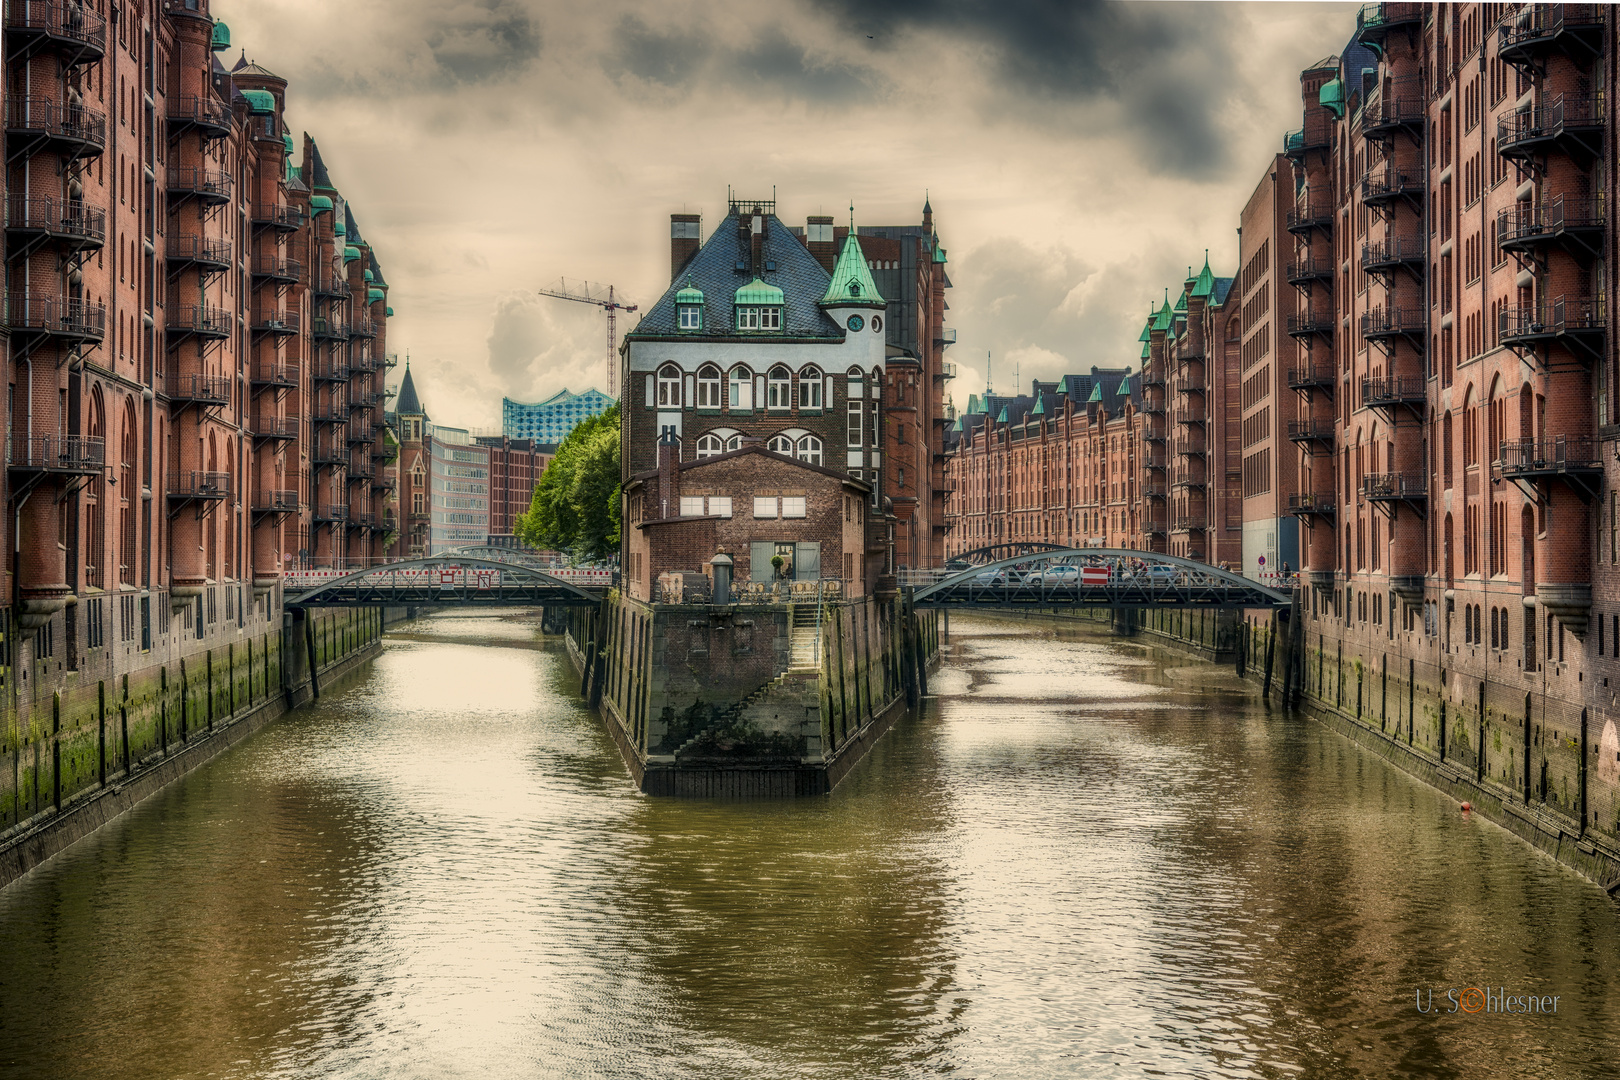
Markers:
(604, 297)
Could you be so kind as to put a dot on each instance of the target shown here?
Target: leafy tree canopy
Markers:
(575, 507)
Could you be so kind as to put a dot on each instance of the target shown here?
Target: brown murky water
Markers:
(1076, 862)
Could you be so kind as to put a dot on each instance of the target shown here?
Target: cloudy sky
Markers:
(1078, 154)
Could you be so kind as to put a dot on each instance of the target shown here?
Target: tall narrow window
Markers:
(741, 390)
(810, 388)
(855, 425)
(779, 389)
(669, 387)
(708, 387)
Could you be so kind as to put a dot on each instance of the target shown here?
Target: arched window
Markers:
(741, 391)
(95, 503)
(708, 387)
(734, 443)
(809, 450)
(709, 445)
(778, 389)
(669, 387)
(780, 444)
(126, 496)
(810, 388)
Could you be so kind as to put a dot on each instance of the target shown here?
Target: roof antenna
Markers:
(852, 217)
(989, 366)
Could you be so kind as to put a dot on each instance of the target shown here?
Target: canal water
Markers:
(1083, 858)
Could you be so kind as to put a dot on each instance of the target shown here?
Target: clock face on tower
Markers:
(855, 323)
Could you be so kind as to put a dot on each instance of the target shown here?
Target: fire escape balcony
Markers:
(1409, 488)
(66, 455)
(1188, 522)
(34, 223)
(276, 323)
(1151, 408)
(946, 337)
(1306, 504)
(208, 391)
(1401, 110)
(1152, 376)
(1381, 187)
(1575, 224)
(1309, 271)
(1409, 253)
(1302, 140)
(326, 328)
(1191, 383)
(1578, 324)
(1153, 491)
(370, 399)
(330, 373)
(361, 435)
(1315, 377)
(279, 218)
(71, 30)
(1393, 392)
(209, 118)
(328, 286)
(330, 513)
(1308, 323)
(1305, 217)
(34, 319)
(1153, 437)
(275, 501)
(1186, 480)
(329, 413)
(211, 187)
(1575, 459)
(391, 360)
(39, 125)
(275, 429)
(1383, 325)
(1537, 31)
(1190, 417)
(364, 519)
(275, 377)
(1154, 460)
(203, 320)
(274, 268)
(329, 455)
(188, 486)
(1312, 435)
(1375, 21)
(382, 484)
(363, 327)
(1571, 125)
(361, 470)
(207, 254)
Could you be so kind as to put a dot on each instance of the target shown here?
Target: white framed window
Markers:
(669, 387)
(876, 385)
(779, 389)
(770, 318)
(780, 444)
(856, 424)
(709, 445)
(708, 387)
(734, 443)
(748, 318)
(720, 506)
(810, 388)
(691, 506)
(765, 506)
(853, 389)
(741, 390)
(793, 506)
(809, 450)
(691, 317)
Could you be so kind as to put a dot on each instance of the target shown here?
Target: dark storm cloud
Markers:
(1164, 69)
(481, 41)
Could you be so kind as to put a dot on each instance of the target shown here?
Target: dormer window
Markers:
(759, 318)
(691, 317)
(758, 306)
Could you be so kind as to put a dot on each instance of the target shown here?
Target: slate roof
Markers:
(244, 66)
(407, 403)
(801, 278)
(320, 179)
(1217, 296)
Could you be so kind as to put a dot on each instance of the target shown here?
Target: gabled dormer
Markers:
(689, 309)
(758, 306)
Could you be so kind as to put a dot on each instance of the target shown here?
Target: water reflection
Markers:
(1083, 858)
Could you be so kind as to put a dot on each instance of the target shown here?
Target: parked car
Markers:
(1002, 576)
(1057, 574)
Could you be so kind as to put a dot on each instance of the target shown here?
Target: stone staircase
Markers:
(802, 656)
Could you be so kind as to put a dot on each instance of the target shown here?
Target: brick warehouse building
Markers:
(195, 342)
(1445, 244)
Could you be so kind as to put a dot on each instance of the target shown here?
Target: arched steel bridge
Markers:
(443, 581)
(1117, 578)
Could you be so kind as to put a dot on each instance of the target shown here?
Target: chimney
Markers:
(669, 475)
(684, 230)
(818, 236)
(757, 242)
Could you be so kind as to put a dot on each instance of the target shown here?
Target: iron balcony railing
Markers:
(1189, 523)
(283, 218)
(85, 128)
(199, 319)
(1565, 315)
(203, 389)
(79, 225)
(1394, 252)
(365, 519)
(1392, 322)
(1390, 486)
(1311, 431)
(1381, 185)
(1186, 479)
(1308, 270)
(213, 185)
(59, 316)
(330, 455)
(331, 286)
(276, 322)
(1375, 20)
(56, 453)
(1562, 454)
(1526, 224)
(1402, 106)
(331, 373)
(200, 485)
(363, 327)
(276, 268)
(1528, 130)
(1537, 27)
(327, 413)
(323, 326)
(1310, 503)
(1191, 383)
(1311, 378)
(1310, 322)
(190, 110)
(331, 512)
(1302, 140)
(361, 435)
(283, 375)
(1392, 390)
(946, 336)
(1306, 216)
(276, 428)
(73, 24)
(276, 501)
(198, 249)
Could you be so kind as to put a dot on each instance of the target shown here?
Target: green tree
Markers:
(575, 507)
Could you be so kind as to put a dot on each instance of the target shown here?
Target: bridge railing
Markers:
(294, 581)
